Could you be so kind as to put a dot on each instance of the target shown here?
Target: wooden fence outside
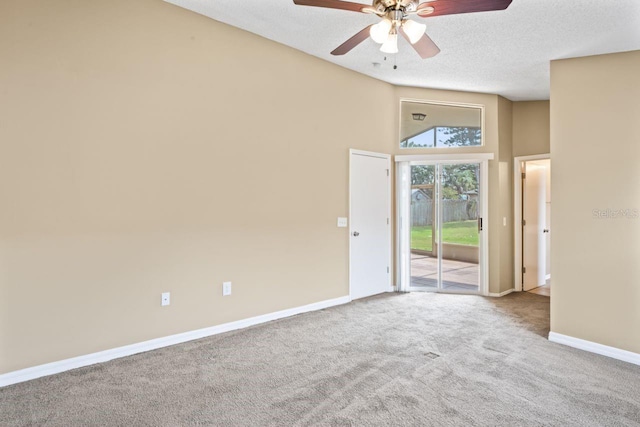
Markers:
(452, 210)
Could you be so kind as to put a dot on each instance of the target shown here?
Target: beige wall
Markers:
(505, 188)
(595, 151)
(530, 128)
(145, 148)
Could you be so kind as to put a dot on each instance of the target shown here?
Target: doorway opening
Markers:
(533, 224)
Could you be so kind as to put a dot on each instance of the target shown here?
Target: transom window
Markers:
(430, 125)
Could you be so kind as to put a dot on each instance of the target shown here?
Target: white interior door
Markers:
(547, 231)
(534, 215)
(547, 223)
(369, 232)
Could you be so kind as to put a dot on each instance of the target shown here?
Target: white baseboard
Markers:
(501, 294)
(127, 350)
(593, 347)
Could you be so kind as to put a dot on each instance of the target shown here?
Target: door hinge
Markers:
(524, 222)
(524, 175)
(387, 270)
(387, 221)
(387, 172)
(524, 270)
(480, 224)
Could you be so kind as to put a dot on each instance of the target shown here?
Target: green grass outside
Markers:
(460, 232)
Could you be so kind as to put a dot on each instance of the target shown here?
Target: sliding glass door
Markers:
(443, 227)
(424, 228)
(460, 225)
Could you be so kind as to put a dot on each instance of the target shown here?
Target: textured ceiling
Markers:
(502, 52)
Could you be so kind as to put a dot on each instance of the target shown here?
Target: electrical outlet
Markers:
(166, 298)
(226, 288)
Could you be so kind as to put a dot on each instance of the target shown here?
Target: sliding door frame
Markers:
(403, 225)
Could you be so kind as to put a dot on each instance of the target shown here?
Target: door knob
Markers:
(355, 234)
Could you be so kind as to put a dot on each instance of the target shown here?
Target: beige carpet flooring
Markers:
(391, 360)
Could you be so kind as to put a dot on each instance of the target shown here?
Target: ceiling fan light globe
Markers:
(380, 32)
(413, 30)
(391, 45)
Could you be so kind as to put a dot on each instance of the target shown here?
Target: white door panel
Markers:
(369, 231)
(534, 247)
(547, 227)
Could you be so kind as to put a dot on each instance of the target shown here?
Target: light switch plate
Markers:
(166, 298)
(342, 221)
(226, 288)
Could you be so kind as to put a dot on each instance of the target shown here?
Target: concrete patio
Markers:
(457, 276)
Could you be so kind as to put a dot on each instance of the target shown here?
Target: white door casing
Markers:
(369, 218)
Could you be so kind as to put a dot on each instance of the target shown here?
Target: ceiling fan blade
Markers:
(333, 4)
(352, 42)
(451, 7)
(425, 47)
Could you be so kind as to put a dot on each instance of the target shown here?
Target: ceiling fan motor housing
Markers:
(383, 6)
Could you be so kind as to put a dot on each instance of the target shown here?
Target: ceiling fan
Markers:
(395, 13)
